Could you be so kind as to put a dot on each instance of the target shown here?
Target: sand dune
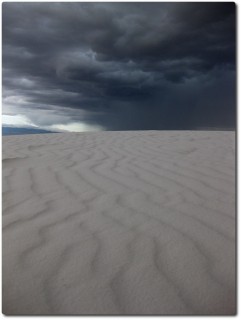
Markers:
(119, 223)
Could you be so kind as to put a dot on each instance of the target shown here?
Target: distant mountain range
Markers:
(15, 130)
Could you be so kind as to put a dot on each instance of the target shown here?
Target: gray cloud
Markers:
(121, 65)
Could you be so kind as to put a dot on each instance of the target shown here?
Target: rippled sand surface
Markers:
(135, 222)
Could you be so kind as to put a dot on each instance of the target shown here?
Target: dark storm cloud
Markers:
(125, 65)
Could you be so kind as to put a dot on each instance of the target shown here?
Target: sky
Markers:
(119, 66)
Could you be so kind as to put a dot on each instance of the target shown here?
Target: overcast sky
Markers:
(119, 66)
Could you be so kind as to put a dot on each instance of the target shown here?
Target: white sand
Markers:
(119, 223)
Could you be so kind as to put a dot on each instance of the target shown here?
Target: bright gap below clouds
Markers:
(21, 121)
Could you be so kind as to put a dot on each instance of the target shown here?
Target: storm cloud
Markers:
(121, 66)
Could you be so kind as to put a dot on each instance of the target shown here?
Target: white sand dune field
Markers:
(132, 222)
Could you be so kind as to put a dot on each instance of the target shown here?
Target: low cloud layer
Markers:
(120, 66)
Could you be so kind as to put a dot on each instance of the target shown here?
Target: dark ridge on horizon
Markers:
(21, 131)
(8, 131)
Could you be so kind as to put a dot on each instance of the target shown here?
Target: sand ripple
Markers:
(119, 223)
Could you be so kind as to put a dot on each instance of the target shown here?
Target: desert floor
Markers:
(135, 222)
